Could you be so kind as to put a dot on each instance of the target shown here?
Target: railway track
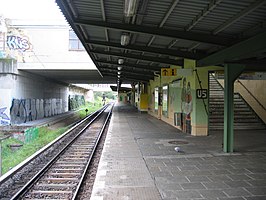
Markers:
(61, 175)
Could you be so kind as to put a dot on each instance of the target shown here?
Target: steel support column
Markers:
(231, 72)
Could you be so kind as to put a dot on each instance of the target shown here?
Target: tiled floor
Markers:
(140, 162)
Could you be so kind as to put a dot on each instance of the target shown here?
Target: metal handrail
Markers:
(251, 94)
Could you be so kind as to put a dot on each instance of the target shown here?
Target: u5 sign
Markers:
(202, 93)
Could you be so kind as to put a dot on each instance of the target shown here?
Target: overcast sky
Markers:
(31, 9)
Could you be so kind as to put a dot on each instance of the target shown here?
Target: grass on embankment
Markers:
(12, 158)
(91, 108)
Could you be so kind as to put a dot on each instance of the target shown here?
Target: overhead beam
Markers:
(196, 37)
(145, 73)
(132, 66)
(166, 52)
(202, 14)
(125, 78)
(242, 50)
(170, 10)
(126, 72)
(128, 69)
(240, 15)
(137, 57)
(252, 64)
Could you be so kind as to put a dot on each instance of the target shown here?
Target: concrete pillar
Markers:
(231, 72)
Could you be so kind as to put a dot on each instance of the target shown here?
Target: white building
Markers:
(36, 45)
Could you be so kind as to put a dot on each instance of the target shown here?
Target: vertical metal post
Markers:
(231, 72)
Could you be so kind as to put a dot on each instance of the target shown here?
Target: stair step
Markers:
(245, 121)
(244, 113)
(244, 116)
(235, 117)
(221, 101)
(239, 128)
(236, 107)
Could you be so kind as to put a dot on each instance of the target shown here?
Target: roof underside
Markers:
(163, 33)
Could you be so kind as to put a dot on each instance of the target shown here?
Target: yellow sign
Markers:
(168, 72)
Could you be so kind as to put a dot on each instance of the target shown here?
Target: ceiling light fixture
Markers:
(118, 72)
(125, 39)
(119, 67)
(120, 61)
(130, 8)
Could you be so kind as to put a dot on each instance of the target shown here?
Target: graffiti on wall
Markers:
(76, 101)
(24, 110)
(4, 119)
(17, 43)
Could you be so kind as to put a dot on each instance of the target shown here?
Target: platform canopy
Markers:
(129, 40)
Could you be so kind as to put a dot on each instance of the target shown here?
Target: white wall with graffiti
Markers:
(28, 45)
(25, 97)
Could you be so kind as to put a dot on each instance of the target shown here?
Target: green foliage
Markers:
(109, 95)
(12, 158)
(45, 135)
(76, 101)
(91, 107)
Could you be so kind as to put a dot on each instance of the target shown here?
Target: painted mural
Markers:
(186, 106)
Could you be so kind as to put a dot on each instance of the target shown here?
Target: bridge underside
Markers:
(73, 76)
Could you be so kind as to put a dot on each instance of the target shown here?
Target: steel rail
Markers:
(16, 169)
(91, 156)
(37, 176)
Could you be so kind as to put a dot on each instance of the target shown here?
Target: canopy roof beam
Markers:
(243, 50)
(137, 57)
(196, 37)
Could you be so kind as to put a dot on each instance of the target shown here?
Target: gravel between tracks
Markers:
(87, 186)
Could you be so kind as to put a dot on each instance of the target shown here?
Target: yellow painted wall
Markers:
(257, 88)
(144, 100)
(199, 118)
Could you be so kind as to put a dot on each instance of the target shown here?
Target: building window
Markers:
(74, 42)
(165, 100)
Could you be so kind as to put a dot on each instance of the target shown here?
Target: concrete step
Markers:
(236, 106)
(244, 117)
(235, 117)
(221, 95)
(241, 127)
(221, 101)
(244, 113)
(245, 121)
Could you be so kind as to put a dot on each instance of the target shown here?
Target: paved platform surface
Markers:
(139, 163)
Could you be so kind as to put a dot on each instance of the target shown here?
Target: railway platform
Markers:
(140, 161)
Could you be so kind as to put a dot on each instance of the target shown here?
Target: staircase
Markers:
(244, 117)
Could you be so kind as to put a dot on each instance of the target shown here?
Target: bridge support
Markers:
(231, 72)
